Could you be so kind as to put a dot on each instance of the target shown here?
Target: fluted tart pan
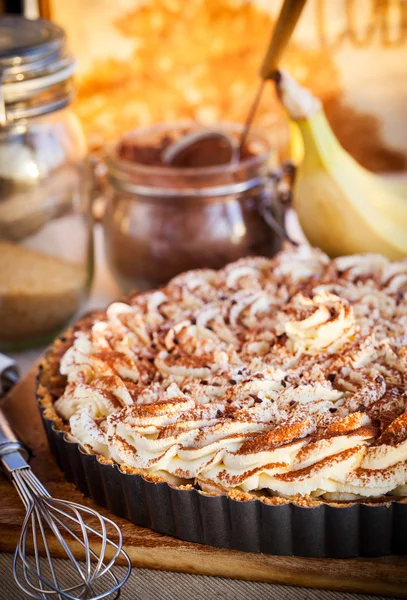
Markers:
(324, 530)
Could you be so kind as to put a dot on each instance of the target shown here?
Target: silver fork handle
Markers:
(13, 454)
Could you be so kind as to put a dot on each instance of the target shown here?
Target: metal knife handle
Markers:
(286, 22)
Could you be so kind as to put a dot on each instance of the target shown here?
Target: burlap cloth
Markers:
(145, 584)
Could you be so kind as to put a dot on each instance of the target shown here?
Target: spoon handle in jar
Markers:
(286, 22)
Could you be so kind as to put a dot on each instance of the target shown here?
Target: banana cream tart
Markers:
(280, 378)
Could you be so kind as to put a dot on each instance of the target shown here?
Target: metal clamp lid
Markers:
(33, 58)
(121, 183)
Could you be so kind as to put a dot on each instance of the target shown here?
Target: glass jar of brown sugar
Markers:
(46, 233)
(161, 220)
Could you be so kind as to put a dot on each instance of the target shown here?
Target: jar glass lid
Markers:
(25, 38)
(33, 58)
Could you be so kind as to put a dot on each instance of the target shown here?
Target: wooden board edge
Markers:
(237, 567)
(218, 564)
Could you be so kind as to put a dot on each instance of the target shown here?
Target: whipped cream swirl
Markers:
(278, 377)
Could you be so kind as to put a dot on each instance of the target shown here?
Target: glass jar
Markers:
(162, 220)
(46, 248)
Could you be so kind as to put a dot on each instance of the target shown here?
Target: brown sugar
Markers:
(38, 293)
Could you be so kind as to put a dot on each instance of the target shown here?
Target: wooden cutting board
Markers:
(387, 575)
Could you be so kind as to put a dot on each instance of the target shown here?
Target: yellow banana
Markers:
(342, 207)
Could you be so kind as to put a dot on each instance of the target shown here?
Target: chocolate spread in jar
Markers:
(210, 151)
(161, 220)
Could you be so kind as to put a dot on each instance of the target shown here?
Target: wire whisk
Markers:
(72, 529)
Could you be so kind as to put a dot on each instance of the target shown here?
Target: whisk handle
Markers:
(13, 454)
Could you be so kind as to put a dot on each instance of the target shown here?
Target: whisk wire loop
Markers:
(66, 522)
(104, 520)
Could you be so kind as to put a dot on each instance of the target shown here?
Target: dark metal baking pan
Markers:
(252, 526)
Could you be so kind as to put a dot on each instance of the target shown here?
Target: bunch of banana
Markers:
(342, 207)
